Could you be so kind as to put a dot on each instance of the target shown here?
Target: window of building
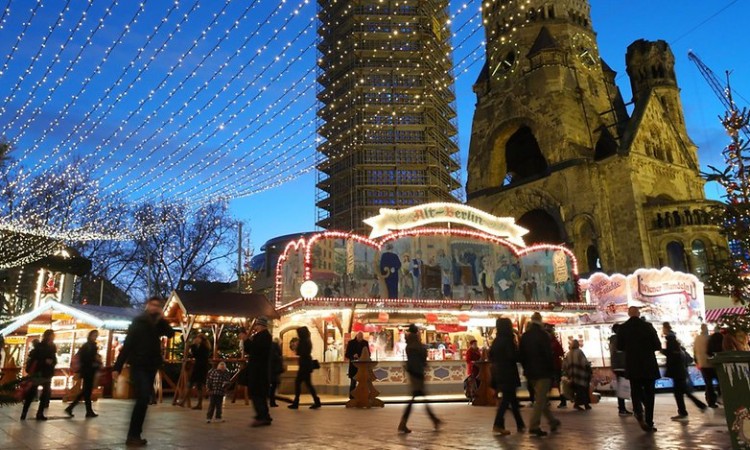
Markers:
(700, 258)
(676, 256)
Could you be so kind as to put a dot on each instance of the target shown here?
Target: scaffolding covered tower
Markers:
(387, 113)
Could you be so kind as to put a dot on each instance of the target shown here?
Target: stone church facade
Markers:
(554, 146)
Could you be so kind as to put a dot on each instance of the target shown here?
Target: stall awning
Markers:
(107, 317)
(223, 304)
(713, 315)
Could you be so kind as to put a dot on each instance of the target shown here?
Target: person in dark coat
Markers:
(416, 362)
(558, 353)
(276, 368)
(617, 361)
(305, 370)
(353, 351)
(638, 339)
(90, 362)
(504, 356)
(201, 352)
(41, 368)
(258, 351)
(536, 358)
(677, 371)
(142, 350)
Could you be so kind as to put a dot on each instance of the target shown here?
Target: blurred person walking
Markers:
(40, 367)
(258, 350)
(617, 361)
(677, 365)
(201, 352)
(638, 339)
(142, 350)
(90, 362)
(416, 362)
(504, 356)
(536, 358)
(705, 365)
(352, 353)
(305, 370)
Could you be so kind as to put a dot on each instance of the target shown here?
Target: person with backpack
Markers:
(677, 363)
(89, 362)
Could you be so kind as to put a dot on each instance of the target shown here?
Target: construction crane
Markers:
(723, 94)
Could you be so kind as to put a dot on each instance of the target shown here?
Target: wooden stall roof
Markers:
(223, 304)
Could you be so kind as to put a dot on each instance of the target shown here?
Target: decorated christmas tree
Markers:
(731, 275)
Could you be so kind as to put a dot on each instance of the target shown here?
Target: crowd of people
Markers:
(633, 348)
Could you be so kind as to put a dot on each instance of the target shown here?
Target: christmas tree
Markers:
(731, 275)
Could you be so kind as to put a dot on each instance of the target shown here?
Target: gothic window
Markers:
(592, 257)
(700, 258)
(676, 256)
(543, 228)
(523, 156)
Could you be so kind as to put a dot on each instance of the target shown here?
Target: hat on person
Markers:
(413, 329)
(262, 321)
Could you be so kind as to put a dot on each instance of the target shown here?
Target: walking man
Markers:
(638, 339)
(90, 362)
(706, 366)
(142, 349)
(536, 358)
(258, 350)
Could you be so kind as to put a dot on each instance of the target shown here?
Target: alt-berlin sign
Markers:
(402, 219)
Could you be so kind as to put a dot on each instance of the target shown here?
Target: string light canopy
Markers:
(165, 101)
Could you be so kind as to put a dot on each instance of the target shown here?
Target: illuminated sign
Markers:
(401, 219)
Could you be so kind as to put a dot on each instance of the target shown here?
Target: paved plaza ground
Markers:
(335, 427)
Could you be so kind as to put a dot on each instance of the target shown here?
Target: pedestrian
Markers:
(558, 353)
(715, 342)
(352, 353)
(617, 361)
(217, 381)
(40, 367)
(638, 339)
(504, 357)
(305, 370)
(677, 370)
(276, 368)
(201, 352)
(89, 364)
(578, 369)
(536, 358)
(258, 351)
(416, 362)
(705, 365)
(142, 350)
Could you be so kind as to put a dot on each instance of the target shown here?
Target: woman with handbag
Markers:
(306, 367)
(40, 368)
(578, 370)
(504, 356)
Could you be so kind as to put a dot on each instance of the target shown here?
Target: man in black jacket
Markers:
(353, 351)
(539, 369)
(258, 350)
(638, 339)
(142, 349)
(89, 363)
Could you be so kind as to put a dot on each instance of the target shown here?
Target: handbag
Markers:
(315, 364)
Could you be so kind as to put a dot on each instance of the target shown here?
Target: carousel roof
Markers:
(227, 304)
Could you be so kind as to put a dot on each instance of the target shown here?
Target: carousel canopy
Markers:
(223, 304)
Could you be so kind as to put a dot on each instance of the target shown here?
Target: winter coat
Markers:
(258, 350)
(504, 356)
(304, 351)
(89, 359)
(577, 368)
(217, 381)
(715, 343)
(616, 357)
(536, 353)
(557, 353)
(676, 364)
(639, 341)
(142, 346)
(201, 353)
(416, 357)
(736, 341)
(700, 351)
(353, 352)
(42, 360)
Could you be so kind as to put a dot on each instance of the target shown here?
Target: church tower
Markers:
(553, 144)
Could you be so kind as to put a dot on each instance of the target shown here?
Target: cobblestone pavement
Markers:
(335, 427)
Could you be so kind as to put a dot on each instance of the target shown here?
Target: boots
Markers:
(69, 410)
(402, 427)
(316, 403)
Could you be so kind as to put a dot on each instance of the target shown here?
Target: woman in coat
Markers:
(201, 351)
(578, 370)
(416, 362)
(41, 367)
(304, 373)
(504, 356)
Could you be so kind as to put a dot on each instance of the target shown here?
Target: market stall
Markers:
(71, 324)
(210, 313)
(453, 280)
(663, 295)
